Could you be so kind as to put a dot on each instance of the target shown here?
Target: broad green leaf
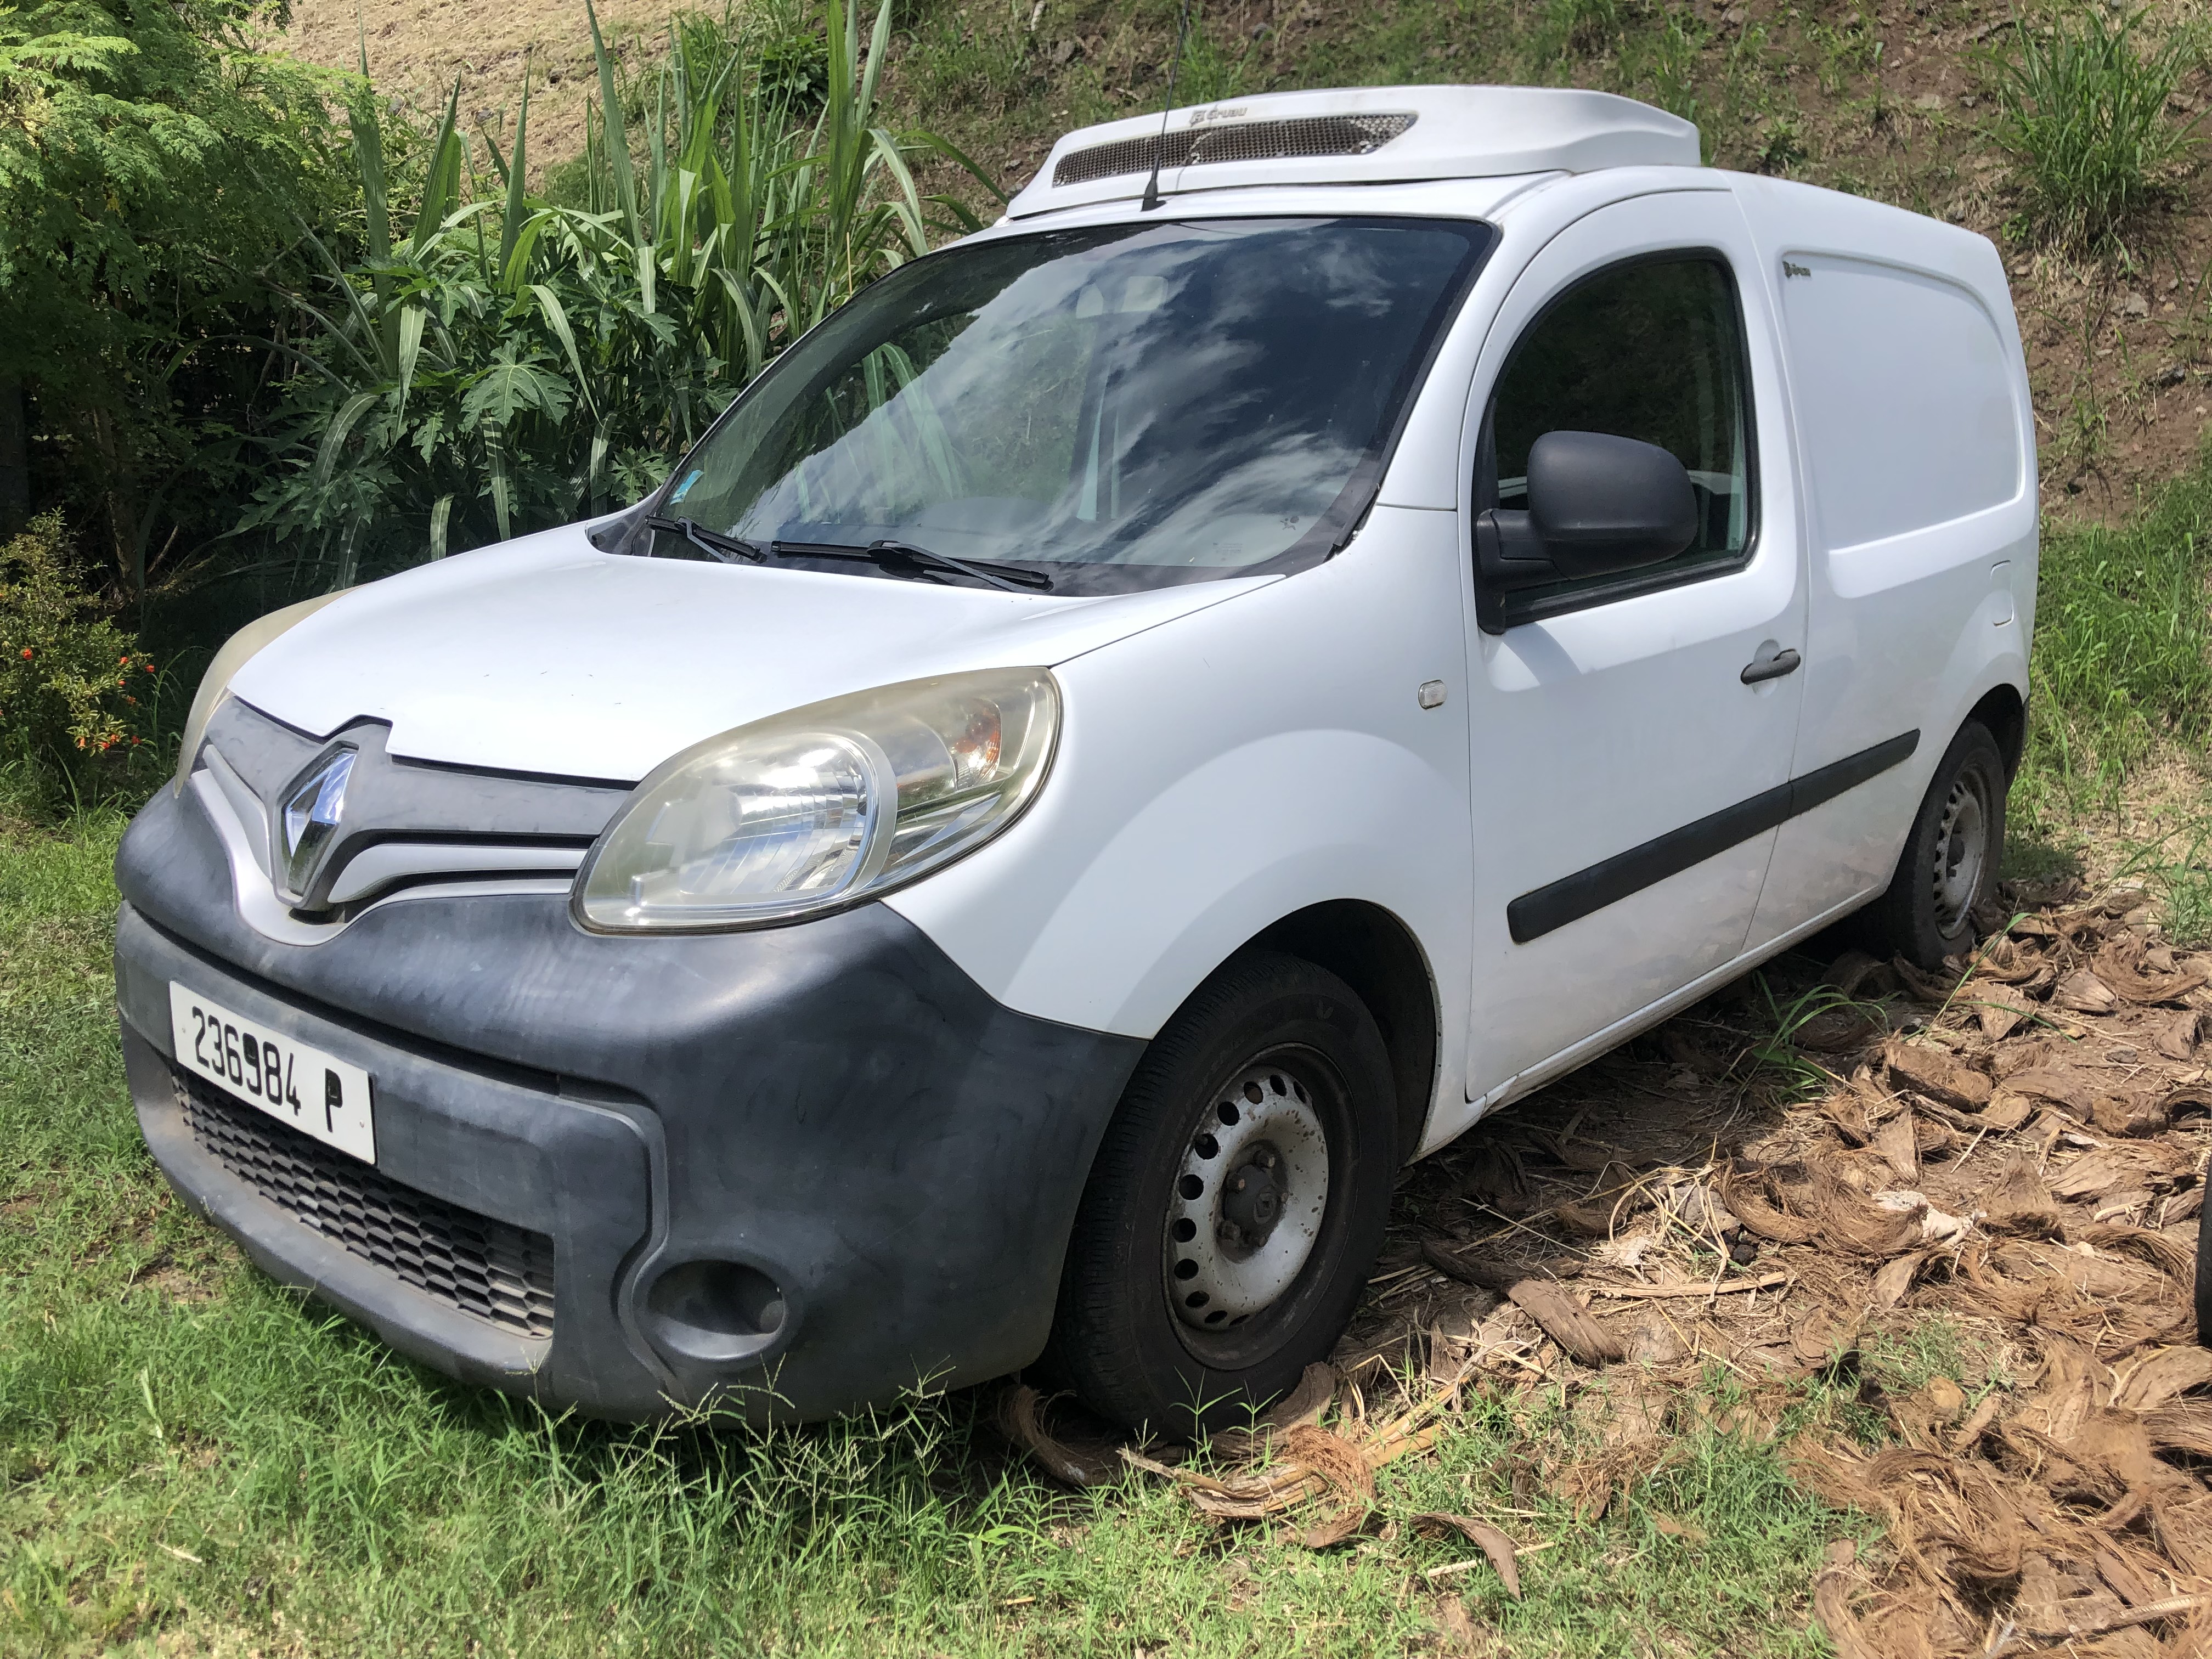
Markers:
(501, 490)
(341, 426)
(411, 319)
(556, 318)
(507, 389)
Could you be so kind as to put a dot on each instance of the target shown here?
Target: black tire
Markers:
(1263, 1053)
(1950, 860)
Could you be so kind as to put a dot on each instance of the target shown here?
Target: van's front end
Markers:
(550, 1135)
(526, 960)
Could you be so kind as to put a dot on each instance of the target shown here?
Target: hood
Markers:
(546, 655)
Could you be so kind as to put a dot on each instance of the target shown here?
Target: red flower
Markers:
(27, 653)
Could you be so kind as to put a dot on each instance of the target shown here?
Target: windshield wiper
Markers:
(712, 543)
(889, 553)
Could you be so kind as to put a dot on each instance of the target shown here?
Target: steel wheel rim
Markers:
(1962, 837)
(1261, 1126)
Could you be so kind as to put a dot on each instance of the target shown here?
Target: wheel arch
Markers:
(1375, 953)
(2005, 715)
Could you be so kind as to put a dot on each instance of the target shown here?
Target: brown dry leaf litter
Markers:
(2017, 1144)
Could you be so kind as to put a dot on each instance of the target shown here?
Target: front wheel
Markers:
(1949, 864)
(1236, 1204)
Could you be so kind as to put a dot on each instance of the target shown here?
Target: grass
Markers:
(2123, 667)
(1846, 49)
(2114, 775)
(977, 62)
(192, 1461)
(2176, 865)
(2082, 111)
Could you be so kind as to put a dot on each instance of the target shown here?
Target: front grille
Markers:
(1237, 141)
(493, 1270)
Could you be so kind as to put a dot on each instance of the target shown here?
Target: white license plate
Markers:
(316, 1093)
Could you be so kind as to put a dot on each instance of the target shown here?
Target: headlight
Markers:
(820, 807)
(214, 684)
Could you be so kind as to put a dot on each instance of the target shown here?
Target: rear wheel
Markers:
(1949, 864)
(1236, 1201)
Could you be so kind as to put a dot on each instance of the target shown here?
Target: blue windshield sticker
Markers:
(684, 489)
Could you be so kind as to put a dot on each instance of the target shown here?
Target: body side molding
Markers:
(1555, 904)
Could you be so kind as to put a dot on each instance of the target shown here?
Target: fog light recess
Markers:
(715, 1312)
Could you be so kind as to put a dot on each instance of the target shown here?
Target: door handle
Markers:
(1781, 663)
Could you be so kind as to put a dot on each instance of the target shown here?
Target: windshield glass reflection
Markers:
(1122, 407)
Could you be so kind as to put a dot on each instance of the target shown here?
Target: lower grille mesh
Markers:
(496, 1271)
(1237, 141)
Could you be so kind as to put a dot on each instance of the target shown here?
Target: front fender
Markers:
(1224, 770)
(1160, 907)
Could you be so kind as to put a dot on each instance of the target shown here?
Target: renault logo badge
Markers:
(308, 822)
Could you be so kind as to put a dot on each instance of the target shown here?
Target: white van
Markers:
(1335, 611)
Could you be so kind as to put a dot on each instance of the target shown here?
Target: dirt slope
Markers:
(416, 49)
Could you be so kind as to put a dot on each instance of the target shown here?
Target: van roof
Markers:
(1367, 135)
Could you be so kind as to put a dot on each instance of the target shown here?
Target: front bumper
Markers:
(834, 1107)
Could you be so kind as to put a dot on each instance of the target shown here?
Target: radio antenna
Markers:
(1151, 200)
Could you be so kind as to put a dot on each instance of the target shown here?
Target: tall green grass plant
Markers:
(2082, 111)
(501, 362)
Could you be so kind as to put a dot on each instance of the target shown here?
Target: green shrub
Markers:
(791, 60)
(74, 692)
(153, 168)
(2082, 111)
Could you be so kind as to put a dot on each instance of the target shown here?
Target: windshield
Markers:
(1115, 408)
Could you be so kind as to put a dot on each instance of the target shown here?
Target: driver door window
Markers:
(1652, 351)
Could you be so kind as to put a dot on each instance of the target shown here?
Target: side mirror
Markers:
(1598, 506)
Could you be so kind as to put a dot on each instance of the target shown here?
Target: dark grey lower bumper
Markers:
(835, 1106)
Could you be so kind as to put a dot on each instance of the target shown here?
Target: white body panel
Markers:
(1236, 751)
